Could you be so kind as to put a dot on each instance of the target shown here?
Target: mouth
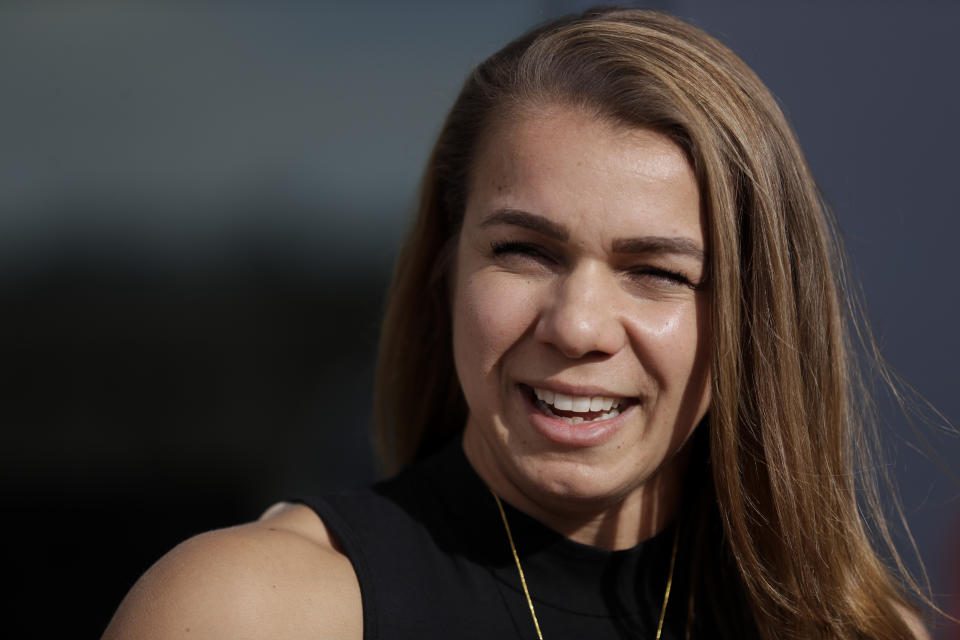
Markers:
(575, 410)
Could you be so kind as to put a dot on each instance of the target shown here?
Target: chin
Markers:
(561, 477)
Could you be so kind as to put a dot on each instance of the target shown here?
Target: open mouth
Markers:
(577, 409)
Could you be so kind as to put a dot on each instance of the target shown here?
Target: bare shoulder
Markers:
(279, 577)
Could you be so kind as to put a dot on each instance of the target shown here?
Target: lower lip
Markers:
(585, 434)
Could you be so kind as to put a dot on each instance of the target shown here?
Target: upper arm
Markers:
(254, 581)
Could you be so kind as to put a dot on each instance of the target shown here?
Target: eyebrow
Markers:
(527, 220)
(659, 244)
(545, 226)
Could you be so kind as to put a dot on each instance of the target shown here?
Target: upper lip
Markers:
(576, 390)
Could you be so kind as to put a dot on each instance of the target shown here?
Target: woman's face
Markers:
(579, 312)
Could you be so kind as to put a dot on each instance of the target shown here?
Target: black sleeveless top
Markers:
(433, 561)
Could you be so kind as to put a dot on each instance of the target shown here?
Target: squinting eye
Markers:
(664, 275)
(521, 248)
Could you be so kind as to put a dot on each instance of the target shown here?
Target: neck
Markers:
(617, 521)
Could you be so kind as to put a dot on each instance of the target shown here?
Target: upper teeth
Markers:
(580, 404)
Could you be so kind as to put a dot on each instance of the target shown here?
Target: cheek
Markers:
(490, 315)
(676, 343)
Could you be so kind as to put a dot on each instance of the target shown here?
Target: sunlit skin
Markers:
(580, 269)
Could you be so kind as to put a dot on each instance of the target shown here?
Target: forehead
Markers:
(570, 165)
(538, 133)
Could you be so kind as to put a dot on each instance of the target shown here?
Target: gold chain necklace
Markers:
(523, 580)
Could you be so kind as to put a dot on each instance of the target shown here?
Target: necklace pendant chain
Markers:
(516, 559)
(526, 591)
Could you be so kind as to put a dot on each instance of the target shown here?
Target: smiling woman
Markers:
(580, 278)
(615, 376)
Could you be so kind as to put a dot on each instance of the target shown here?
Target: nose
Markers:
(580, 316)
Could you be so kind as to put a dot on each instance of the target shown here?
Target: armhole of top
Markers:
(345, 536)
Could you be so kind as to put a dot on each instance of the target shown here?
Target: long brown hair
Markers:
(784, 477)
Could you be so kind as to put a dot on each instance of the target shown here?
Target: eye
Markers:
(659, 275)
(520, 249)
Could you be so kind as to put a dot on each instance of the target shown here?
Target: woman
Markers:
(615, 369)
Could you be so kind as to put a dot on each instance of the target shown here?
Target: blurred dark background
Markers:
(200, 203)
